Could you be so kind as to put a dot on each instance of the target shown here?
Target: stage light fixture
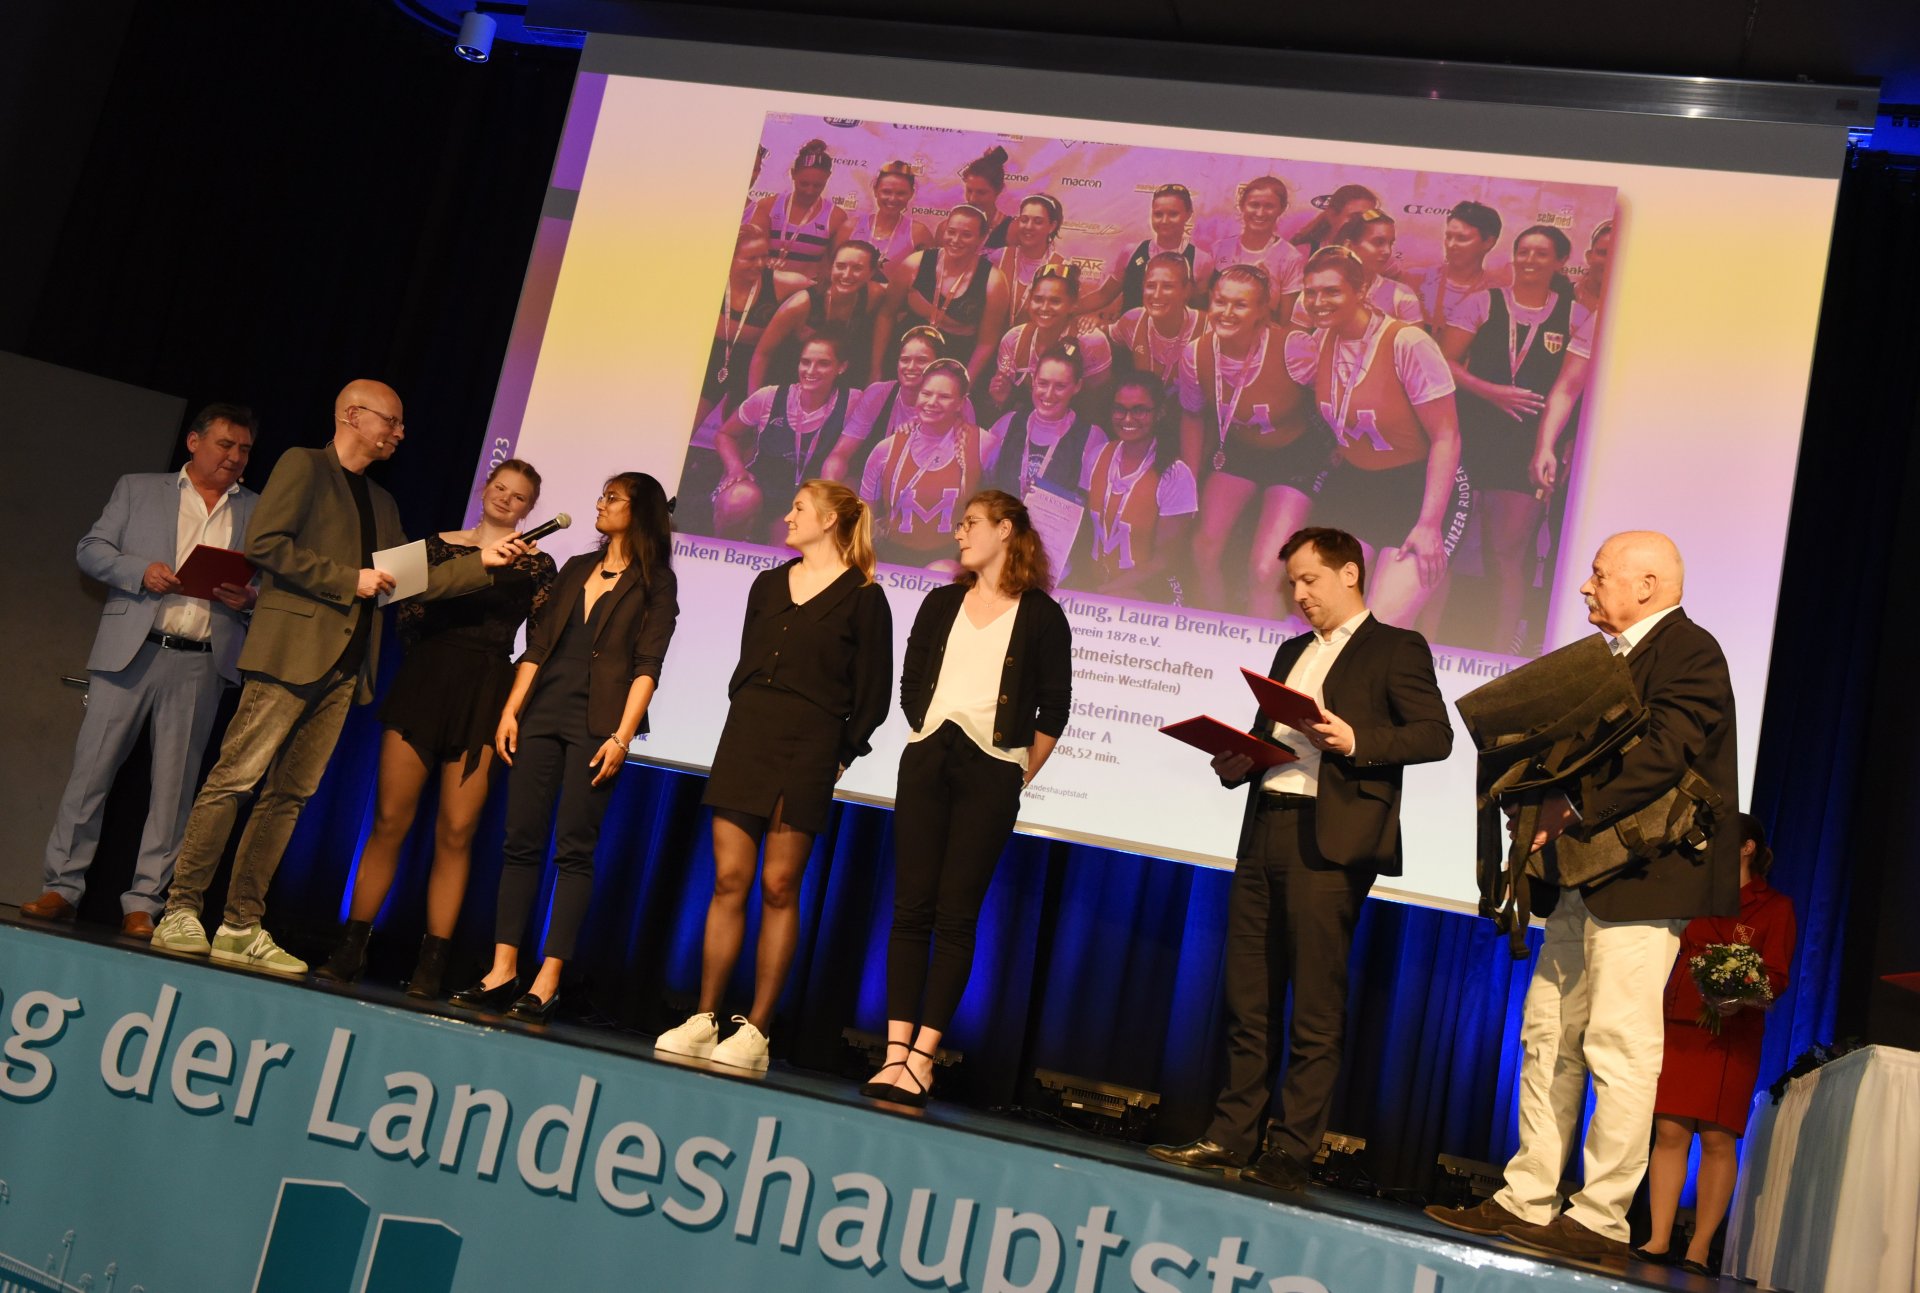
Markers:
(1102, 1107)
(475, 42)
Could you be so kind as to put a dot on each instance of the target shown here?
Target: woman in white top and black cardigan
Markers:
(986, 687)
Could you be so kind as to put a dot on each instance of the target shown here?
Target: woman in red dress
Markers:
(1707, 1080)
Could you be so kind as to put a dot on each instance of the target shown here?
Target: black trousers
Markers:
(1290, 918)
(547, 769)
(953, 812)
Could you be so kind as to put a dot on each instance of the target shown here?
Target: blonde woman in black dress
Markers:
(813, 682)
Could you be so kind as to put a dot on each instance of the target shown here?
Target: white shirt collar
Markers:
(1633, 635)
(1345, 631)
(185, 481)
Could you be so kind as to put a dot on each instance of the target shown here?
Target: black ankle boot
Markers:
(427, 975)
(350, 958)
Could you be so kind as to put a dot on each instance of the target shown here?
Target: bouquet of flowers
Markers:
(1728, 972)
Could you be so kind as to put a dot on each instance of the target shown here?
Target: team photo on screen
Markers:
(1176, 359)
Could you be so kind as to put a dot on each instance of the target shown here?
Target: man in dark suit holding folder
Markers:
(1317, 831)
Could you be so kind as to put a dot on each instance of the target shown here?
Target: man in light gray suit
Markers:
(160, 658)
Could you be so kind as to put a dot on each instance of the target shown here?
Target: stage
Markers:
(175, 1125)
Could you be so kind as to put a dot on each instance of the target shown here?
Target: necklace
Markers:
(739, 326)
(1343, 392)
(784, 237)
(945, 289)
(1224, 407)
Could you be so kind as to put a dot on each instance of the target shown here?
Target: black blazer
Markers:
(1383, 685)
(1036, 684)
(630, 643)
(1682, 677)
(836, 650)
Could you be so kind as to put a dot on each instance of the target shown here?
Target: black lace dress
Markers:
(458, 665)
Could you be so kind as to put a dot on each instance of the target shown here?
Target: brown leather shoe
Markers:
(48, 906)
(1565, 1237)
(1488, 1218)
(136, 924)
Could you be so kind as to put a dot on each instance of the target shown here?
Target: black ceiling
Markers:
(1834, 41)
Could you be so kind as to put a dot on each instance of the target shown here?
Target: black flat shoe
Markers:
(1666, 1258)
(1696, 1268)
(1205, 1154)
(481, 997)
(529, 1009)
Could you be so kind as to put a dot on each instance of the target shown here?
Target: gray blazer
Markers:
(140, 527)
(305, 537)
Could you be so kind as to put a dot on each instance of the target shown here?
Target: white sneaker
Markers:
(695, 1037)
(746, 1048)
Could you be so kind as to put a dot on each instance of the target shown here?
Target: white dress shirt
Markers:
(189, 617)
(1309, 675)
(1632, 636)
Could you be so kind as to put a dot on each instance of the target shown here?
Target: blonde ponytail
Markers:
(852, 524)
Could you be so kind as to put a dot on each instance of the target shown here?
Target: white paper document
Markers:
(408, 566)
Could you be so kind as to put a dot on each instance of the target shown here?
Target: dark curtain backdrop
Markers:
(279, 201)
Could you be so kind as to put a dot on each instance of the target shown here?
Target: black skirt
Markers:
(776, 744)
(446, 700)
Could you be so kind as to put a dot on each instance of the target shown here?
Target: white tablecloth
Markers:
(1829, 1194)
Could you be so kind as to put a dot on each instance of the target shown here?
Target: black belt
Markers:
(1271, 801)
(169, 642)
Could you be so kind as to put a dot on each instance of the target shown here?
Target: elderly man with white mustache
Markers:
(1595, 1002)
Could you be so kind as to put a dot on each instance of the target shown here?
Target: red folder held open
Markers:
(206, 568)
(1213, 736)
(1282, 703)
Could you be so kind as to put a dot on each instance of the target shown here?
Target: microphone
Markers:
(542, 530)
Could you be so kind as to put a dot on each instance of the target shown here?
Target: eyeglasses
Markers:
(394, 422)
(1133, 412)
(969, 523)
(611, 499)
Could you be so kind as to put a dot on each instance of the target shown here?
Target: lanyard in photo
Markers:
(726, 309)
(804, 447)
(906, 452)
(943, 296)
(1223, 407)
(1017, 278)
(1343, 396)
(1144, 336)
(783, 237)
(1441, 293)
(1517, 351)
(1121, 485)
(1028, 475)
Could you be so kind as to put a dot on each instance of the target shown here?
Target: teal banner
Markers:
(170, 1126)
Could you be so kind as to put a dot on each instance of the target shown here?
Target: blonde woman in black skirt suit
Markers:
(813, 682)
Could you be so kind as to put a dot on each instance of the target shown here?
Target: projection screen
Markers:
(1690, 254)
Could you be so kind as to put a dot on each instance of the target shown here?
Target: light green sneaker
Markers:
(254, 949)
(179, 934)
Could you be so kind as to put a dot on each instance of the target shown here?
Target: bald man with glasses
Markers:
(311, 653)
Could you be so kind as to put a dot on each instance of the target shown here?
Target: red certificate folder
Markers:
(207, 568)
(1282, 703)
(1215, 737)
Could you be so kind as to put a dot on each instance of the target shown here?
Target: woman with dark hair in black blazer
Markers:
(579, 698)
(986, 686)
(816, 659)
